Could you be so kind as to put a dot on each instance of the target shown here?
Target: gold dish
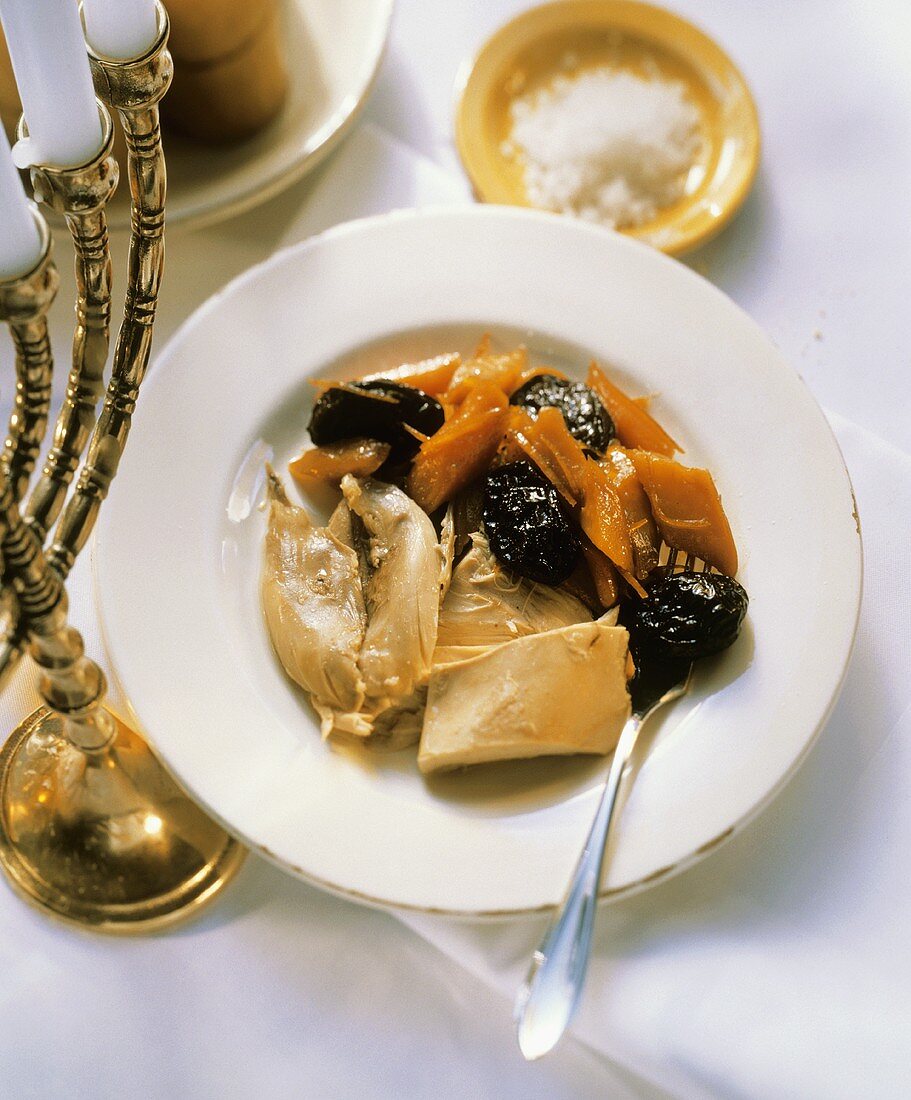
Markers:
(528, 52)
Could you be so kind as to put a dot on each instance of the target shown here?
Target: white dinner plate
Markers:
(333, 52)
(179, 546)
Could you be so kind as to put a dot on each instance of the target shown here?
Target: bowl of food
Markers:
(397, 500)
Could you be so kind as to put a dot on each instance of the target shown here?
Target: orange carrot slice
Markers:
(330, 463)
(430, 375)
(602, 518)
(456, 455)
(635, 427)
(603, 574)
(687, 509)
(500, 369)
(561, 460)
(643, 532)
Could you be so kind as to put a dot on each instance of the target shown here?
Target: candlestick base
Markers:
(105, 839)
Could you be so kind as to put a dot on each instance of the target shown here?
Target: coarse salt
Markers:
(606, 145)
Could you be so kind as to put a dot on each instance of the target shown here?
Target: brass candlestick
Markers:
(92, 827)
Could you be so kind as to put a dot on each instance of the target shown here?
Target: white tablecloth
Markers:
(776, 968)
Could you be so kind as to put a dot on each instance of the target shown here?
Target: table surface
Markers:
(820, 257)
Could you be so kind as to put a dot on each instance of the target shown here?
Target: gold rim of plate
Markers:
(533, 48)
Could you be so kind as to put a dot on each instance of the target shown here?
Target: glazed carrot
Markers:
(603, 574)
(504, 370)
(458, 453)
(643, 532)
(330, 463)
(545, 439)
(635, 426)
(430, 375)
(687, 509)
(481, 395)
(510, 449)
(602, 518)
(564, 454)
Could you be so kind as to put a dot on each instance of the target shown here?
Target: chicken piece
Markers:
(400, 725)
(341, 525)
(314, 606)
(454, 654)
(560, 692)
(447, 545)
(487, 606)
(404, 566)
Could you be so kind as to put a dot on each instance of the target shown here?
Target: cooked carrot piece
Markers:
(602, 518)
(518, 419)
(643, 532)
(500, 369)
(635, 427)
(564, 453)
(430, 375)
(546, 440)
(687, 509)
(323, 384)
(481, 395)
(457, 454)
(560, 459)
(330, 463)
(603, 573)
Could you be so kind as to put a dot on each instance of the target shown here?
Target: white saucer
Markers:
(334, 49)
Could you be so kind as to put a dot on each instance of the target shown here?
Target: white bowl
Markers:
(178, 553)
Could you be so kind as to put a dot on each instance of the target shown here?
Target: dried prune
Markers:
(585, 416)
(376, 410)
(685, 616)
(528, 530)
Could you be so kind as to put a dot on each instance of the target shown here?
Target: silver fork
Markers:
(546, 1002)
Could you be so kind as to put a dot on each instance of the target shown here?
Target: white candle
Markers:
(20, 241)
(47, 48)
(120, 29)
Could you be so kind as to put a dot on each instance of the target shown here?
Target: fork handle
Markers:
(553, 985)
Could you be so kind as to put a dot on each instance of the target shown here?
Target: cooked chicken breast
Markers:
(563, 691)
(314, 606)
(447, 546)
(404, 564)
(355, 608)
(486, 606)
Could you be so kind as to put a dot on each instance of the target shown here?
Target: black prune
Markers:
(585, 416)
(349, 411)
(526, 526)
(686, 616)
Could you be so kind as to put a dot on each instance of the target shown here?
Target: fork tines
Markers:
(676, 561)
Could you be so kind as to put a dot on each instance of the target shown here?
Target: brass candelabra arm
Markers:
(28, 419)
(24, 304)
(132, 89)
(80, 195)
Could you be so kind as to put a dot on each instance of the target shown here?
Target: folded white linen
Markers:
(279, 989)
(778, 967)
